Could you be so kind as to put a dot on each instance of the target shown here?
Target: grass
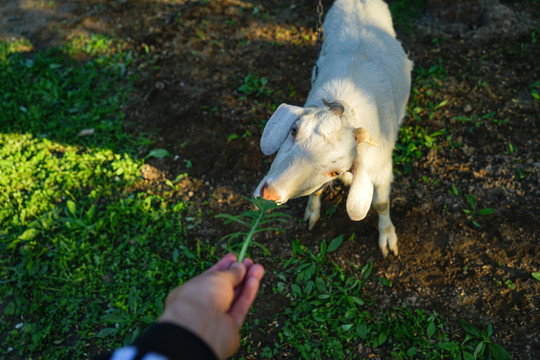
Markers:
(254, 85)
(330, 315)
(89, 250)
(87, 259)
(416, 136)
(404, 12)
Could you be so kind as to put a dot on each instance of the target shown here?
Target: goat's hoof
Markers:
(388, 241)
(311, 218)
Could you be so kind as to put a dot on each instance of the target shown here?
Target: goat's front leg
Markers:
(313, 208)
(387, 231)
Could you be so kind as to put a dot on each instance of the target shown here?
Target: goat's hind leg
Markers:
(381, 203)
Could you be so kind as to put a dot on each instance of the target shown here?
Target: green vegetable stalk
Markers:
(254, 220)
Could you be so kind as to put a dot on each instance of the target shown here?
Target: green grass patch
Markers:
(50, 95)
(405, 12)
(89, 252)
(87, 260)
(416, 135)
(332, 316)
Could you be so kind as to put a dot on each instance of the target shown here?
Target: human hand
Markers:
(214, 304)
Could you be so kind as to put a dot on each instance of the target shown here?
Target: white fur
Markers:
(364, 68)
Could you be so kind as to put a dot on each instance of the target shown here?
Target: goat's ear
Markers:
(360, 193)
(278, 127)
(362, 136)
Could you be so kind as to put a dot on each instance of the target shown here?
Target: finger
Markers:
(224, 263)
(248, 262)
(256, 271)
(234, 275)
(241, 305)
(238, 290)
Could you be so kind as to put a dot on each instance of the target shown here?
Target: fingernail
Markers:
(237, 265)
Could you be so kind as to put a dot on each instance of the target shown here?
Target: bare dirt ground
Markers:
(196, 56)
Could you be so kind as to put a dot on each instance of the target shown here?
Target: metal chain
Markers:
(318, 43)
(319, 40)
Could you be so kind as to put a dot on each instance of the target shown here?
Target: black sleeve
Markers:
(168, 340)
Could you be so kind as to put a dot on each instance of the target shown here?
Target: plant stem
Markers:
(247, 240)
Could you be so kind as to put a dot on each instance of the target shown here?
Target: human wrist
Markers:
(200, 322)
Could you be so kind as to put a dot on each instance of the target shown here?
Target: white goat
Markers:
(349, 123)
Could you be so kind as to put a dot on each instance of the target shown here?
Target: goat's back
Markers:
(360, 49)
(347, 20)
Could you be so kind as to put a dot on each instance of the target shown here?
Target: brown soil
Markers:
(200, 53)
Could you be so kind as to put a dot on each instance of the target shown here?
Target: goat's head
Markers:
(315, 145)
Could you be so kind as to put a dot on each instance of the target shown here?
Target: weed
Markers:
(534, 90)
(454, 191)
(478, 344)
(51, 97)
(404, 12)
(429, 181)
(415, 138)
(158, 154)
(475, 122)
(508, 283)
(473, 212)
(511, 149)
(255, 86)
(331, 316)
(80, 247)
(413, 141)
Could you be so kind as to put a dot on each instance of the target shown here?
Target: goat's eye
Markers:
(293, 132)
(333, 173)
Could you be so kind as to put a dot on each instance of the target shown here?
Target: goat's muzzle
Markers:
(269, 193)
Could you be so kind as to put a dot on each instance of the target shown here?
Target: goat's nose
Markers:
(269, 193)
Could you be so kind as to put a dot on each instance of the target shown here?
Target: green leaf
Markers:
(472, 201)
(536, 275)
(383, 336)
(72, 207)
(309, 287)
(335, 244)
(431, 329)
(479, 350)
(107, 332)
(320, 284)
(486, 211)
(158, 154)
(412, 351)
(295, 289)
(357, 300)
(469, 328)
(362, 330)
(498, 353)
(323, 248)
(28, 234)
(229, 219)
(366, 270)
(346, 327)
